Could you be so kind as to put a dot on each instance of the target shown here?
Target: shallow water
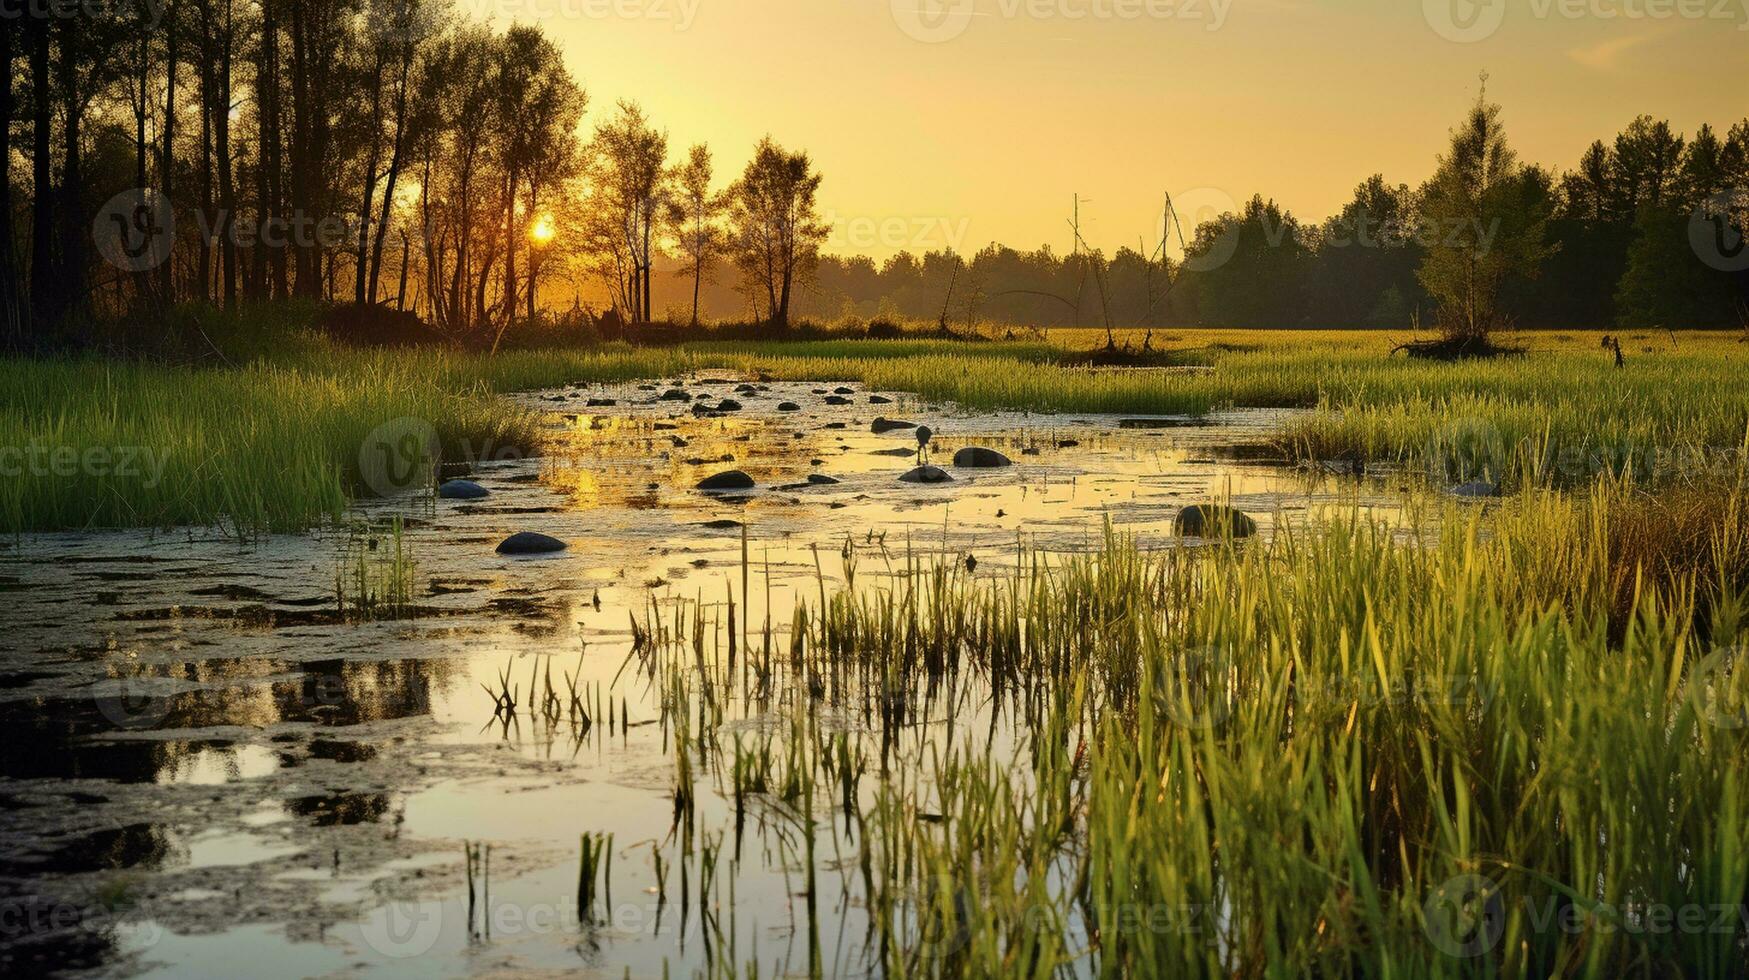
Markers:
(204, 764)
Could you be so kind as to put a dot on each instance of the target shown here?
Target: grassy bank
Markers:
(1329, 755)
(274, 443)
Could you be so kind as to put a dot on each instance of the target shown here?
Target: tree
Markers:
(1363, 271)
(1481, 226)
(776, 229)
(1231, 255)
(693, 215)
(12, 332)
(628, 158)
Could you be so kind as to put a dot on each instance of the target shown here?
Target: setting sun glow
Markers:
(542, 231)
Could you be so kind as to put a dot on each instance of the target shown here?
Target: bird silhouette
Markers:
(924, 433)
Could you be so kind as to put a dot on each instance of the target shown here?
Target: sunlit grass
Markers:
(274, 444)
(1284, 758)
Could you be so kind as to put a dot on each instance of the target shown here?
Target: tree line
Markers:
(1647, 230)
(376, 152)
(387, 154)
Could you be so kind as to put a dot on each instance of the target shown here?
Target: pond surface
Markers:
(208, 765)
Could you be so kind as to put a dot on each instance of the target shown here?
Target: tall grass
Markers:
(262, 447)
(1332, 754)
(273, 443)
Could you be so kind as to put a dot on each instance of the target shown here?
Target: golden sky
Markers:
(959, 122)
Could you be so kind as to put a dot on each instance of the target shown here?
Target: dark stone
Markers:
(788, 407)
(530, 543)
(821, 479)
(728, 405)
(675, 395)
(977, 457)
(462, 490)
(721, 525)
(1213, 520)
(843, 391)
(883, 425)
(927, 474)
(745, 389)
(1068, 443)
(727, 480)
(837, 400)
(600, 403)
(879, 400)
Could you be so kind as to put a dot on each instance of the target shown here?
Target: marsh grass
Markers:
(374, 576)
(274, 444)
(1419, 749)
(1275, 759)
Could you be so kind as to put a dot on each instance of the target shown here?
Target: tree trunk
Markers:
(270, 160)
(372, 156)
(697, 260)
(44, 278)
(75, 223)
(11, 308)
(142, 278)
(227, 189)
(395, 153)
(308, 268)
(167, 156)
(649, 220)
(401, 290)
(510, 236)
(204, 269)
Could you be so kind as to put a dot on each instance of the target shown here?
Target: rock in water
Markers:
(675, 395)
(837, 400)
(727, 480)
(927, 474)
(890, 425)
(530, 543)
(462, 490)
(1212, 521)
(821, 479)
(977, 457)
(788, 407)
(879, 400)
(841, 390)
(728, 405)
(1476, 489)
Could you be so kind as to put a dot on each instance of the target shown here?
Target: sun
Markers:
(543, 230)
